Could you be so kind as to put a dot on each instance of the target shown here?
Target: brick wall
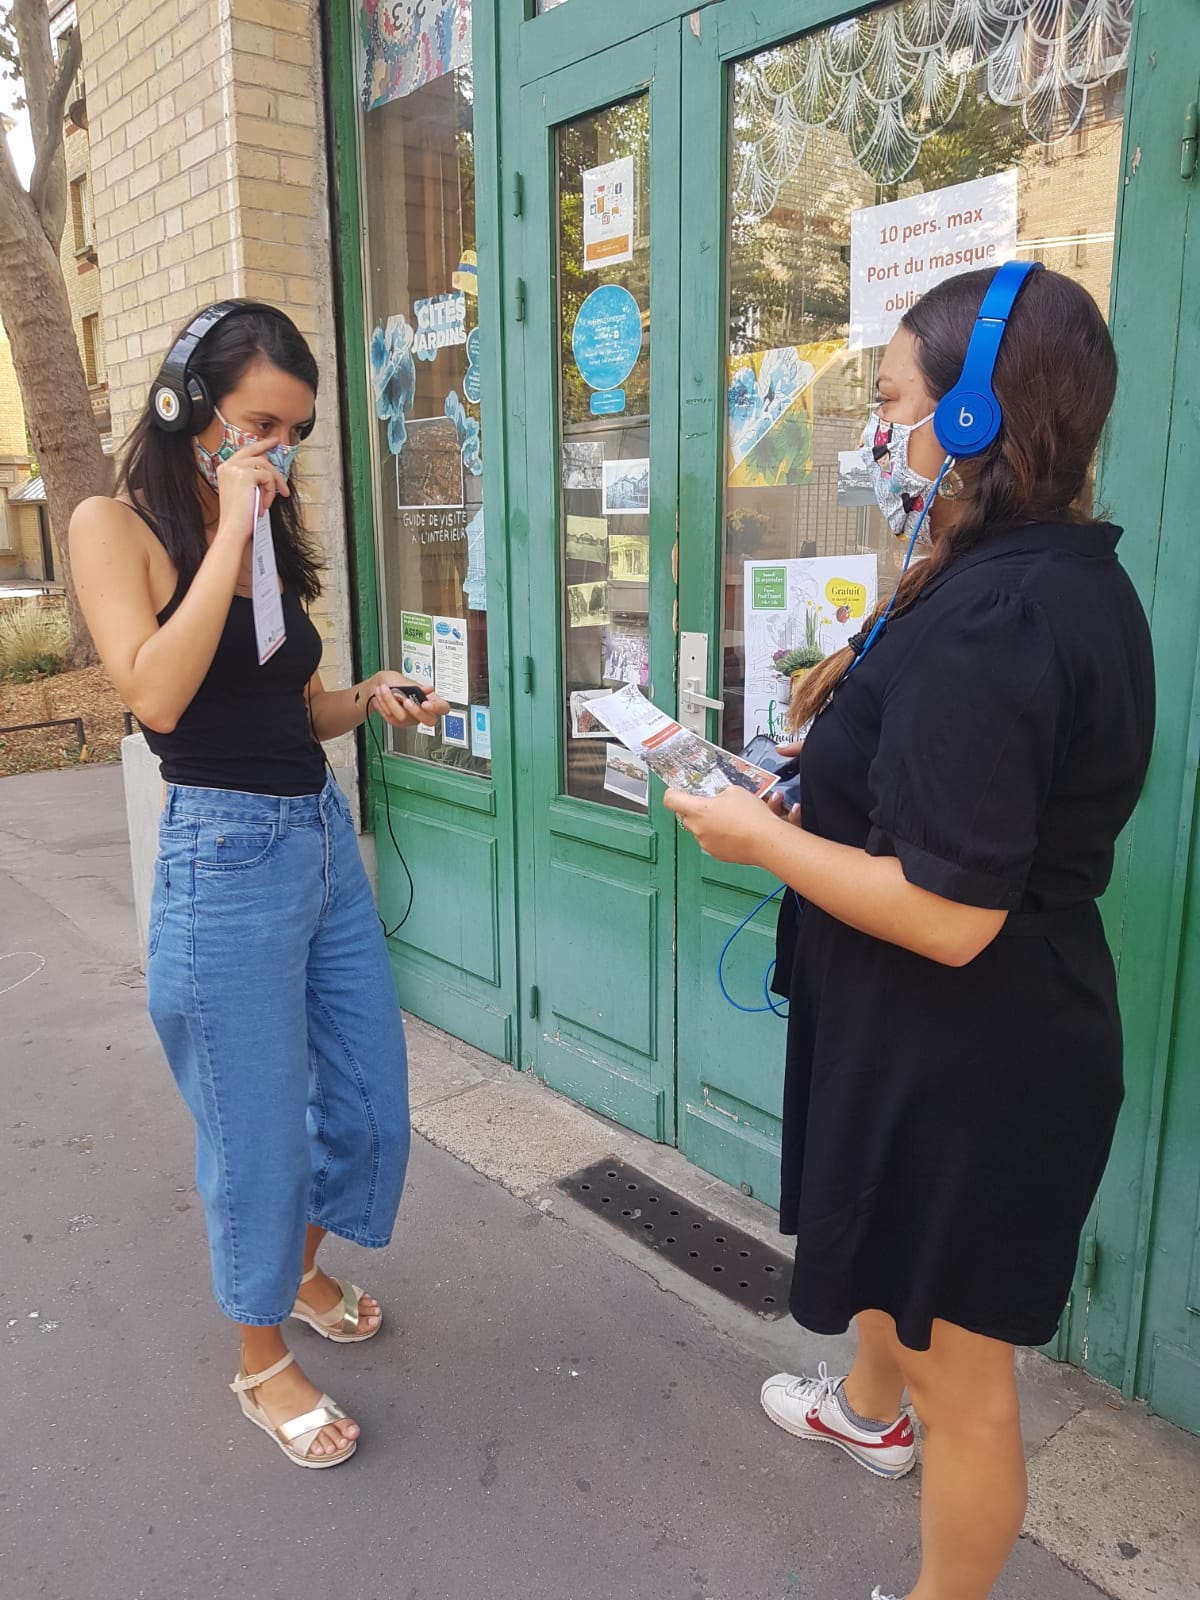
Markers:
(13, 439)
(209, 174)
(79, 261)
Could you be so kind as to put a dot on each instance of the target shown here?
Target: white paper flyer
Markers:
(683, 760)
(451, 676)
(814, 605)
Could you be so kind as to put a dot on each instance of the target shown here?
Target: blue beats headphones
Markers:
(969, 417)
(180, 399)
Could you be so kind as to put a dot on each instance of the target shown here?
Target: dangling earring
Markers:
(951, 486)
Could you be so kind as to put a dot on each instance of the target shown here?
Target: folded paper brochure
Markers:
(683, 760)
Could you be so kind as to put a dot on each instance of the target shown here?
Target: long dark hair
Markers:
(1055, 379)
(159, 471)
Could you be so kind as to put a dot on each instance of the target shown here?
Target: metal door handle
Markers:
(690, 693)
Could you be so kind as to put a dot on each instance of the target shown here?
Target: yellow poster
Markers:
(771, 413)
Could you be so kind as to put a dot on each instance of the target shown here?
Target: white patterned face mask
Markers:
(901, 493)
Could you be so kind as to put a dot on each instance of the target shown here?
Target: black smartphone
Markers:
(764, 753)
(410, 691)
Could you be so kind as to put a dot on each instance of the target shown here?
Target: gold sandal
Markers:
(341, 1322)
(296, 1437)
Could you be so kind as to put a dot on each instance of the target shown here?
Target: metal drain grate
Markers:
(703, 1246)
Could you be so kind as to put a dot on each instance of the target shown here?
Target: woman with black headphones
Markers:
(954, 1048)
(269, 979)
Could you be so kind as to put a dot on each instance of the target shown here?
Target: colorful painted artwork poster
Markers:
(608, 214)
(429, 468)
(416, 654)
(451, 675)
(816, 604)
(771, 414)
(408, 43)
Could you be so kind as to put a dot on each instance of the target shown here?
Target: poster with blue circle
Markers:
(607, 336)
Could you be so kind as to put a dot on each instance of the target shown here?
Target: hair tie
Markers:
(858, 643)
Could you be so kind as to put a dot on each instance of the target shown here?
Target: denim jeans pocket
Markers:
(233, 847)
(158, 904)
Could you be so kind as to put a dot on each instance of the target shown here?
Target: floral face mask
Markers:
(902, 494)
(234, 439)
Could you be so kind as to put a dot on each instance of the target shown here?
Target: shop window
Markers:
(867, 160)
(425, 363)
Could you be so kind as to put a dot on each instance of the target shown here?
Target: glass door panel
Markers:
(604, 399)
(828, 243)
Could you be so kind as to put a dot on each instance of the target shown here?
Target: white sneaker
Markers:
(878, 1594)
(809, 1409)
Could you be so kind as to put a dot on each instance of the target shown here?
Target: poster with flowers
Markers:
(408, 43)
(771, 414)
(797, 612)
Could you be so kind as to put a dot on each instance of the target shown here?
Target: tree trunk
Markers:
(37, 319)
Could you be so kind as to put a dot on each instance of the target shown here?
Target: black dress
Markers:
(945, 1129)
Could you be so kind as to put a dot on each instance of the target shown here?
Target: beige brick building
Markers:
(80, 263)
(209, 179)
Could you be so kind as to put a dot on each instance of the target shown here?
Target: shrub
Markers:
(35, 640)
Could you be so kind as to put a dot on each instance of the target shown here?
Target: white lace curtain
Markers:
(887, 79)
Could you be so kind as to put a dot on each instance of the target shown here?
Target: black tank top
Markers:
(248, 726)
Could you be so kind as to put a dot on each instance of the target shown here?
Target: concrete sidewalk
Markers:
(551, 1411)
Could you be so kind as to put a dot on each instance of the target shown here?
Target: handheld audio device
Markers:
(180, 399)
(965, 423)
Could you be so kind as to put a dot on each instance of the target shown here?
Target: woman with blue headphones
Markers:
(269, 979)
(954, 1065)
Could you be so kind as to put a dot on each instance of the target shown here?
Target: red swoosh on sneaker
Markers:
(900, 1436)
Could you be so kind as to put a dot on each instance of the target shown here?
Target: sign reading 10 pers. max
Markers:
(900, 250)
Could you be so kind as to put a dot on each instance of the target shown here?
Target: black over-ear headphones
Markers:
(180, 399)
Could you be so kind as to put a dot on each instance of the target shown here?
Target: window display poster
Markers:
(626, 488)
(454, 730)
(481, 732)
(900, 250)
(608, 214)
(407, 45)
(606, 337)
(441, 323)
(475, 582)
(771, 414)
(627, 656)
(587, 539)
(416, 659)
(794, 605)
(451, 675)
(429, 468)
(629, 558)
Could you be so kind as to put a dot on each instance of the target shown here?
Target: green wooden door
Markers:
(600, 291)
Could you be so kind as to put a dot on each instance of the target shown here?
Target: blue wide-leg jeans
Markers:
(272, 993)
